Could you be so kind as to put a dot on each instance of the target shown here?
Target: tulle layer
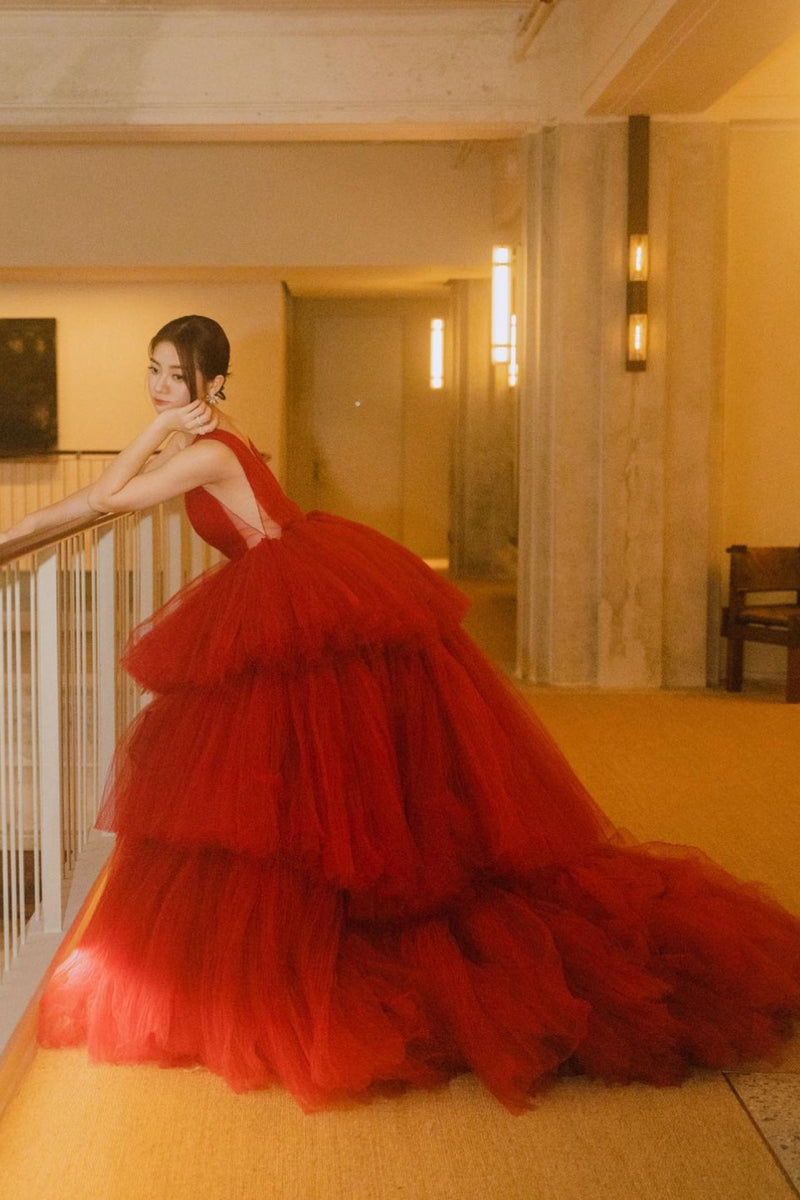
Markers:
(326, 587)
(632, 963)
(396, 773)
(350, 859)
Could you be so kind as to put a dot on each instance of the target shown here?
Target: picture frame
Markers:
(28, 386)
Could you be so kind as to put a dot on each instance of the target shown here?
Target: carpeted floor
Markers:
(717, 771)
(708, 768)
(104, 1133)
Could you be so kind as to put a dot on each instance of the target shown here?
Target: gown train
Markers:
(350, 860)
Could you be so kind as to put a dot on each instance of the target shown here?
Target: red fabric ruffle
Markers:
(327, 587)
(349, 859)
(629, 964)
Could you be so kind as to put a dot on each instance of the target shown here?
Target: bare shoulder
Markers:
(206, 454)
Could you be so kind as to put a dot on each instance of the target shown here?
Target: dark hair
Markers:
(202, 346)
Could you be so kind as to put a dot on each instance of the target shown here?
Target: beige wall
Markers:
(102, 333)
(171, 211)
(762, 376)
(271, 206)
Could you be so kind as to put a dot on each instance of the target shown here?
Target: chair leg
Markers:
(735, 664)
(793, 676)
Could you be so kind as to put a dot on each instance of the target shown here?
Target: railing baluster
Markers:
(19, 762)
(5, 863)
(81, 694)
(105, 657)
(172, 553)
(48, 747)
(33, 661)
(8, 742)
(65, 621)
(67, 608)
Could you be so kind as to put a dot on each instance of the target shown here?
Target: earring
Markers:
(212, 398)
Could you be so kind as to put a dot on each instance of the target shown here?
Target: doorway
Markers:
(369, 439)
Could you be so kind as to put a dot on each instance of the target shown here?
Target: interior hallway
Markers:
(650, 477)
(703, 768)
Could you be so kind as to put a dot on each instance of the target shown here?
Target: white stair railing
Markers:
(68, 603)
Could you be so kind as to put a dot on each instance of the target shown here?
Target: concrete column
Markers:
(689, 208)
(630, 612)
(619, 471)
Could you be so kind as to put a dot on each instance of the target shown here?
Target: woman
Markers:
(348, 859)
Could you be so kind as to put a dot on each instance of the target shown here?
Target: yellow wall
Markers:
(102, 334)
(762, 377)
(249, 211)
(244, 205)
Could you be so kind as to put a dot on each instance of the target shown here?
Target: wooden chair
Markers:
(756, 571)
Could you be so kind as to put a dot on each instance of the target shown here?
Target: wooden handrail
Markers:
(19, 547)
(12, 456)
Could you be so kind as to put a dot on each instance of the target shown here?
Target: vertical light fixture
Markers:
(638, 244)
(513, 363)
(501, 304)
(437, 354)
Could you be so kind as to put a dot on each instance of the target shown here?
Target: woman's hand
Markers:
(23, 528)
(195, 418)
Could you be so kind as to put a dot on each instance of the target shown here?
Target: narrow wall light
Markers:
(637, 339)
(638, 256)
(501, 304)
(437, 353)
(513, 364)
(638, 242)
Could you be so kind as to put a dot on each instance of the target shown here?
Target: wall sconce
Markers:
(637, 339)
(513, 364)
(501, 304)
(638, 262)
(638, 244)
(437, 354)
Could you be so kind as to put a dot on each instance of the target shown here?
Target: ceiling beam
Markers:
(695, 53)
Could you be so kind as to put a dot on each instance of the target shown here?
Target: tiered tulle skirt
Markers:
(349, 859)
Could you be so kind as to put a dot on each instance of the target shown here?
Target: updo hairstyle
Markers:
(202, 345)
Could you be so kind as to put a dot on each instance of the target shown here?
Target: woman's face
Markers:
(166, 382)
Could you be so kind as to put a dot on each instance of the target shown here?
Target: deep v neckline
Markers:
(237, 520)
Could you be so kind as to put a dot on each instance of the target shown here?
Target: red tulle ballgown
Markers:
(349, 859)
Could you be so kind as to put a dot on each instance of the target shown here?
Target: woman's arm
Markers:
(72, 508)
(76, 507)
(105, 494)
(132, 481)
(202, 463)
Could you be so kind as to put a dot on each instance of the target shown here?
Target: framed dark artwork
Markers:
(28, 400)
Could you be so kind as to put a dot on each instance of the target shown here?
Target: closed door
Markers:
(355, 421)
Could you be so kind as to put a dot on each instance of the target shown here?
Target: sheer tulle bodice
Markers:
(224, 529)
(348, 857)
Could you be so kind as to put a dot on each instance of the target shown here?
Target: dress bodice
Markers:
(228, 532)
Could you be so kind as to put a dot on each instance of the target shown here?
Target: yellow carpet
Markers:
(108, 1133)
(717, 771)
(711, 769)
